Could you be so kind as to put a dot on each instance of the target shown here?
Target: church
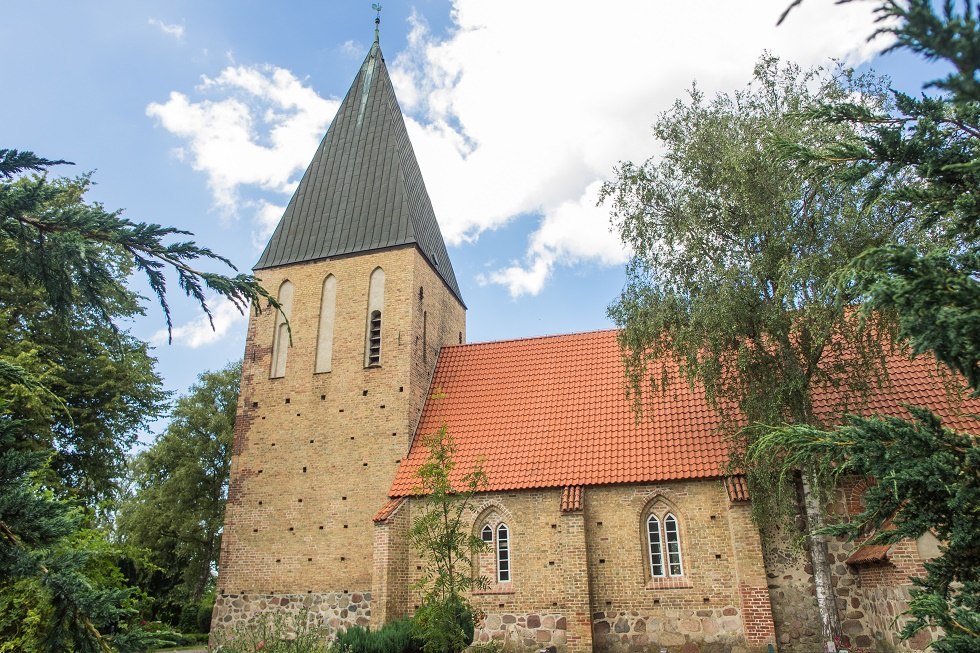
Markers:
(604, 532)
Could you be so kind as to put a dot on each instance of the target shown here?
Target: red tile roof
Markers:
(388, 510)
(869, 554)
(553, 412)
(571, 498)
(738, 488)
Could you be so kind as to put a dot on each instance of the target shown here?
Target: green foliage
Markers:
(445, 625)
(74, 390)
(394, 637)
(932, 144)
(276, 632)
(73, 250)
(735, 253)
(99, 385)
(928, 478)
(59, 586)
(442, 535)
(177, 502)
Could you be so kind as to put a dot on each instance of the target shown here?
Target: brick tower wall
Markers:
(315, 453)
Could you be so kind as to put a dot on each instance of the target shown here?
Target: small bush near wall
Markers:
(394, 637)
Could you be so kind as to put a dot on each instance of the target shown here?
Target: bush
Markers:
(395, 637)
(445, 626)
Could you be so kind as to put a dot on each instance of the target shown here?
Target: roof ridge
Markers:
(527, 338)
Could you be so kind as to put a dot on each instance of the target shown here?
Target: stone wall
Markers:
(870, 597)
(315, 453)
(517, 632)
(335, 610)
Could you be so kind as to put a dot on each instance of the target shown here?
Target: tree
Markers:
(59, 587)
(441, 535)
(735, 258)
(928, 477)
(101, 385)
(177, 506)
(63, 266)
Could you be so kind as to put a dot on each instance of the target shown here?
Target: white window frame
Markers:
(664, 546)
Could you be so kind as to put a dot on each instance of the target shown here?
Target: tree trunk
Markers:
(826, 601)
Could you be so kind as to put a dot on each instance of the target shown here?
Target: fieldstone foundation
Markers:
(716, 630)
(523, 632)
(334, 610)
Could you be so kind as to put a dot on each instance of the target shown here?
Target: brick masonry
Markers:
(315, 453)
(580, 580)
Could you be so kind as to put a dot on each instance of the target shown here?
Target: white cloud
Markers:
(198, 332)
(526, 107)
(171, 29)
(258, 132)
(353, 49)
(521, 110)
(267, 216)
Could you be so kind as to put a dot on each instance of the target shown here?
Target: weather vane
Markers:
(377, 19)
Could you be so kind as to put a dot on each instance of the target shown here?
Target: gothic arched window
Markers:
(328, 311)
(280, 336)
(664, 545)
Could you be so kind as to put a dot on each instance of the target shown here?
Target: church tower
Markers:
(331, 395)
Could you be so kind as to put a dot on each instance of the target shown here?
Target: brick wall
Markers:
(700, 611)
(580, 580)
(314, 454)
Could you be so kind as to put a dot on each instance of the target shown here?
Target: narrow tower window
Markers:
(376, 297)
(280, 336)
(328, 310)
(503, 554)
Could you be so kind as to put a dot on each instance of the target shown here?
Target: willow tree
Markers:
(736, 261)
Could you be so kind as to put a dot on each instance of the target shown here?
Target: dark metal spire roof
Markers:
(363, 190)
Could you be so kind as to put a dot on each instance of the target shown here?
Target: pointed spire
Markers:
(377, 23)
(363, 191)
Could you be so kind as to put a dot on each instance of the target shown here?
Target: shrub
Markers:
(395, 637)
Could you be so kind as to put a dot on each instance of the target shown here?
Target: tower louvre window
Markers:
(374, 339)
(375, 309)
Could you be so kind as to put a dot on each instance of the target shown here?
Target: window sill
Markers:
(669, 583)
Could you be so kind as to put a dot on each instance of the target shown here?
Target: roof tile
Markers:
(553, 412)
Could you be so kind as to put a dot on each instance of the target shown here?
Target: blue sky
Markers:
(203, 115)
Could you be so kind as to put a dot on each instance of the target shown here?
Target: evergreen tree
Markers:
(74, 387)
